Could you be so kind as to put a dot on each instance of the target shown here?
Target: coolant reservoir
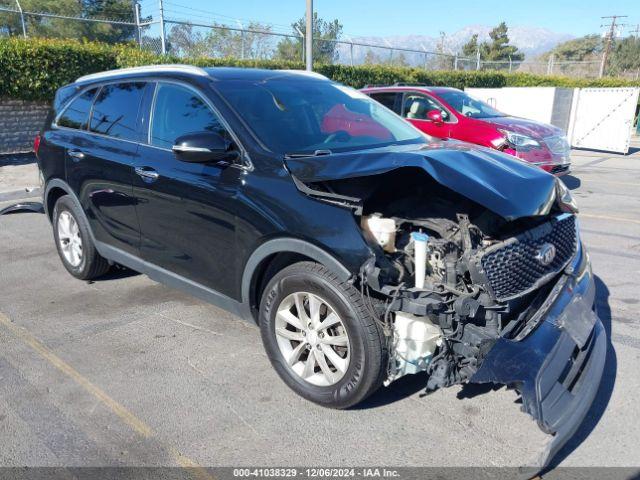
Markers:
(382, 229)
(416, 340)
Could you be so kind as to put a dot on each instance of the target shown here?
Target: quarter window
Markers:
(77, 113)
(178, 111)
(115, 111)
(388, 99)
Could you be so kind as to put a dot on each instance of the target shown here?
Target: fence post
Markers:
(351, 52)
(24, 28)
(302, 43)
(136, 14)
(478, 59)
(241, 39)
(510, 64)
(455, 62)
(550, 65)
(163, 46)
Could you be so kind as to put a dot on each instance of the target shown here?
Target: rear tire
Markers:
(73, 241)
(336, 359)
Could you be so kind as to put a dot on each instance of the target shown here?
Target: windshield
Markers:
(469, 106)
(302, 116)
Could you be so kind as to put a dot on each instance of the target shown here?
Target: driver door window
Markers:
(178, 111)
(416, 107)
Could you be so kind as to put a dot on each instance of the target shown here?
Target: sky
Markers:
(405, 17)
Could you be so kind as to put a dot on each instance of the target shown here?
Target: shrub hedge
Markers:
(32, 69)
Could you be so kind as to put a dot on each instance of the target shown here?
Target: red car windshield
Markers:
(469, 106)
(302, 116)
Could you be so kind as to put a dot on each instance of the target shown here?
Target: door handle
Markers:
(76, 155)
(147, 173)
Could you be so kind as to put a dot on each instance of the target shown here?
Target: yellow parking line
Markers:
(125, 415)
(607, 217)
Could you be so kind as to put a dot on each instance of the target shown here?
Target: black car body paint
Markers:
(214, 229)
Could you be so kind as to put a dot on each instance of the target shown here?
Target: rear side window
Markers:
(76, 114)
(178, 111)
(115, 111)
(388, 99)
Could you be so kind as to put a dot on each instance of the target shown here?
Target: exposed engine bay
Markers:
(449, 276)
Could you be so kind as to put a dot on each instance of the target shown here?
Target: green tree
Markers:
(625, 56)
(184, 41)
(324, 47)
(578, 49)
(38, 26)
(498, 48)
(470, 48)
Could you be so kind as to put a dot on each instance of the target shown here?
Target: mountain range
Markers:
(531, 40)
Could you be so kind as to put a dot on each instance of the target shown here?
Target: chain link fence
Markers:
(162, 33)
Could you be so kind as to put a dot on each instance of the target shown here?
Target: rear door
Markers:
(186, 210)
(416, 106)
(99, 164)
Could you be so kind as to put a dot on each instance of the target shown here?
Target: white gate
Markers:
(601, 118)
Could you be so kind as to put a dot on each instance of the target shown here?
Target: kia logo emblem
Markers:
(546, 254)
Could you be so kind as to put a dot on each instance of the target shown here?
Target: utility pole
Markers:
(309, 36)
(609, 39)
(163, 46)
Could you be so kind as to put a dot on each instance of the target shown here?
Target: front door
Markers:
(415, 108)
(186, 210)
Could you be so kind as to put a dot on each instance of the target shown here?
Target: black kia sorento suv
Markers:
(362, 248)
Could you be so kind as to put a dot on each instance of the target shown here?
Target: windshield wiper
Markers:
(316, 153)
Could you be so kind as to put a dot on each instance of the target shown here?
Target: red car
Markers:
(450, 113)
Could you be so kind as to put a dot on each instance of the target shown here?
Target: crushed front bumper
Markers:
(558, 366)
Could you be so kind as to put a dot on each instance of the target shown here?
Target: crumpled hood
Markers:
(523, 126)
(497, 181)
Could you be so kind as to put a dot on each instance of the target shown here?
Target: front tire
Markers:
(321, 338)
(73, 241)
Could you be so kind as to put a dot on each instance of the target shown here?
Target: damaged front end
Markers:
(478, 271)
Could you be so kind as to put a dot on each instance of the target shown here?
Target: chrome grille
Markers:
(511, 268)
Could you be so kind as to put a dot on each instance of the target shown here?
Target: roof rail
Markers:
(144, 69)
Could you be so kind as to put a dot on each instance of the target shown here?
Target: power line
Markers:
(220, 15)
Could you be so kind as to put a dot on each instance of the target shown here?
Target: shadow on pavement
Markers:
(398, 390)
(571, 182)
(17, 159)
(606, 385)
(116, 272)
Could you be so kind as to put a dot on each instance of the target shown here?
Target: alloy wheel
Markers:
(69, 238)
(312, 338)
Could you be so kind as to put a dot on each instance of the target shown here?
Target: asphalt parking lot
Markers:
(124, 371)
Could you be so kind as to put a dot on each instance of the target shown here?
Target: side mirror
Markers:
(203, 147)
(435, 116)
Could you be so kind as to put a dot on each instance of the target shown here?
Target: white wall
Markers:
(534, 103)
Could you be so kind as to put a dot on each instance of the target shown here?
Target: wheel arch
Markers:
(274, 255)
(55, 189)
